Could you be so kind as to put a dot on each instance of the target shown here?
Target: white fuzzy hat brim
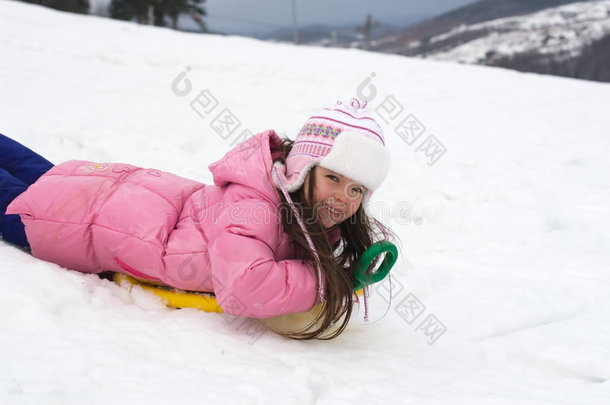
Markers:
(362, 159)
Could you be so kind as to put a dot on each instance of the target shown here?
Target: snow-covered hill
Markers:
(504, 238)
(562, 31)
(570, 40)
(472, 13)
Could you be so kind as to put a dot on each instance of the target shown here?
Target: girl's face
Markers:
(336, 197)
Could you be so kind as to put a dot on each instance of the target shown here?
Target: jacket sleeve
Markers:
(248, 280)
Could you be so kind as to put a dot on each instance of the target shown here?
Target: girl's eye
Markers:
(333, 178)
(358, 190)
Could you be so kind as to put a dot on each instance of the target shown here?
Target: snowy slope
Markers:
(504, 238)
(563, 31)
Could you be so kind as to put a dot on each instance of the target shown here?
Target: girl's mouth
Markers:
(332, 210)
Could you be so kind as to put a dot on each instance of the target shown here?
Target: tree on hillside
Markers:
(594, 61)
(74, 6)
(130, 9)
(161, 13)
(192, 8)
(367, 30)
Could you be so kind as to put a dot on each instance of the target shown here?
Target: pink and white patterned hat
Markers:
(343, 138)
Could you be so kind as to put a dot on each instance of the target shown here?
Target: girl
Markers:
(280, 231)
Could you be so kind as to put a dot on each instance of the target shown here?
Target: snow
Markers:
(563, 29)
(504, 239)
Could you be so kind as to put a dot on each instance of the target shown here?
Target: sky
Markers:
(248, 16)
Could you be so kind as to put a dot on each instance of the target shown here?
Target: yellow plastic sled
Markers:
(176, 298)
(171, 296)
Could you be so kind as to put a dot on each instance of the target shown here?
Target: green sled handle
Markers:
(369, 255)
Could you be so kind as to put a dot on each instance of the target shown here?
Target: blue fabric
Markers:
(19, 168)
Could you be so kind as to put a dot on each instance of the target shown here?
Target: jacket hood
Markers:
(249, 164)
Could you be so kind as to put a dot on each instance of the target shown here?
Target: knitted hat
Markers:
(343, 138)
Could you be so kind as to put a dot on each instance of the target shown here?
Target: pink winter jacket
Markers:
(225, 238)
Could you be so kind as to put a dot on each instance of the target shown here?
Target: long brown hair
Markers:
(338, 262)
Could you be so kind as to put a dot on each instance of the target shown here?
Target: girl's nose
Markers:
(342, 196)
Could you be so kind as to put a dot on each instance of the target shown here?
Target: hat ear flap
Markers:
(295, 181)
